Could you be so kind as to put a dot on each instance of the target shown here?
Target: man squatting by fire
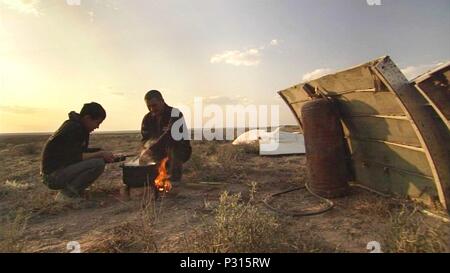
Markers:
(164, 135)
(68, 165)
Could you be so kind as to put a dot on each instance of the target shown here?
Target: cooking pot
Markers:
(135, 176)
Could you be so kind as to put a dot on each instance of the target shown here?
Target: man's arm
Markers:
(92, 150)
(166, 136)
(107, 156)
(89, 153)
(146, 129)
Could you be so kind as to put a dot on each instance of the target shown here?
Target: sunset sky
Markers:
(54, 56)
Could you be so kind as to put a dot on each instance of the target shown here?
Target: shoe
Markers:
(69, 192)
(62, 198)
(65, 200)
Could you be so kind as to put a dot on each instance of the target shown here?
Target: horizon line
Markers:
(137, 131)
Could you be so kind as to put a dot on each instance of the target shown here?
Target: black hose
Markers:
(329, 206)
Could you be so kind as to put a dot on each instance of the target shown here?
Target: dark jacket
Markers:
(158, 129)
(66, 146)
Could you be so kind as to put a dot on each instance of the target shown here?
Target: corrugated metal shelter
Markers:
(398, 143)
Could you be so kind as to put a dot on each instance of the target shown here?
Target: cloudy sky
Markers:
(56, 55)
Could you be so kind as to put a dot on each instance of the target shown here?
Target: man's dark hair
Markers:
(94, 110)
(153, 94)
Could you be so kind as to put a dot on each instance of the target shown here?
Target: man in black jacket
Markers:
(68, 165)
(164, 134)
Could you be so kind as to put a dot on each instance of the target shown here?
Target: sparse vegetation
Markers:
(208, 211)
(37, 200)
(27, 149)
(378, 207)
(135, 235)
(211, 148)
(310, 241)
(251, 148)
(196, 162)
(12, 229)
(227, 156)
(238, 227)
(407, 232)
(126, 237)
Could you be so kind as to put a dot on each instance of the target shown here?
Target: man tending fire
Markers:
(162, 132)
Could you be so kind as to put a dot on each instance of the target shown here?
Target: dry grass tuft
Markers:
(238, 227)
(127, 237)
(407, 232)
(12, 229)
(251, 148)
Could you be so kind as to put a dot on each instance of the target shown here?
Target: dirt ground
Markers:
(197, 216)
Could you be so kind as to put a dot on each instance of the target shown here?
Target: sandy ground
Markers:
(31, 221)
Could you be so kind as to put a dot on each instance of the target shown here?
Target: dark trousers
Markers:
(74, 179)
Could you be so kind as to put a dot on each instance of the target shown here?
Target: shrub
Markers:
(238, 227)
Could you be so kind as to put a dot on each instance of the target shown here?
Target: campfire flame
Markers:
(162, 182)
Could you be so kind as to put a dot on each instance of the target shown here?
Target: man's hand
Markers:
(107, 156)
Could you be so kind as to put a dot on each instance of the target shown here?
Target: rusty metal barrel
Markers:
(328, 171)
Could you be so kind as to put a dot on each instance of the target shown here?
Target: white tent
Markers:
(273, 143)
(252, 136)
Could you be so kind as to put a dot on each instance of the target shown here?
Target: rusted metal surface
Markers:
(325, 149)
